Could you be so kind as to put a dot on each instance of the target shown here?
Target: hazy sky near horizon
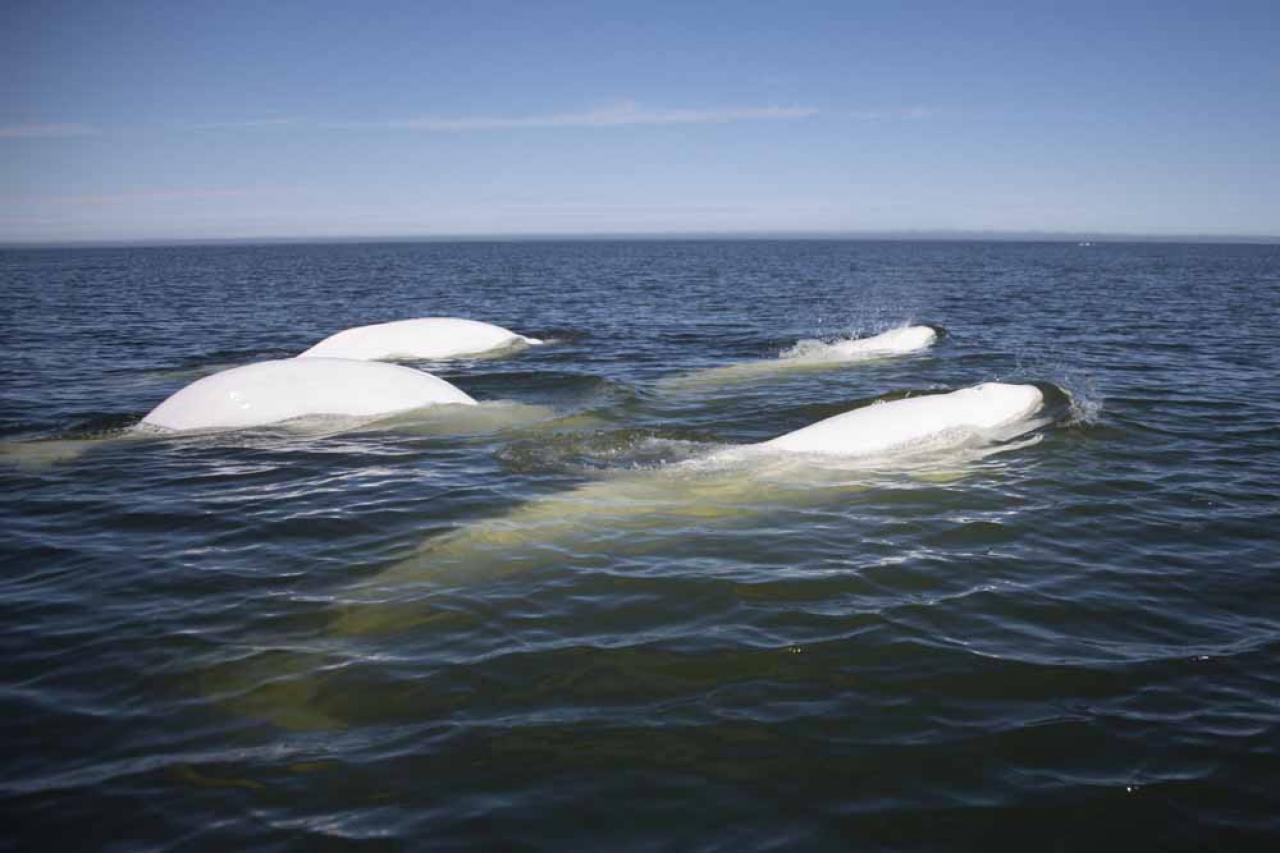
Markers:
(162, 120)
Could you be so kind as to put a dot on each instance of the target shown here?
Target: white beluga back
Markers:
(987, 411)
(421, 338)
(270, 392)
(809, 356)
(900, 341)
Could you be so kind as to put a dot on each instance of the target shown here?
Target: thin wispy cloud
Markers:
(144, 196)
(625, 114)
(45, 131)
(621, 115)
(892, 115)
(243, 124)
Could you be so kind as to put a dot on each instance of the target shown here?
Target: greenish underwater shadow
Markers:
(621, 513)
(447, 420)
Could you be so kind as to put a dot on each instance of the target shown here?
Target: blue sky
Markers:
(139, 120)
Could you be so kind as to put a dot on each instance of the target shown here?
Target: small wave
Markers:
(559, 335)
(67, 445)
(1086, 408)
(1075, 401)
(596, 451)
(100, 425)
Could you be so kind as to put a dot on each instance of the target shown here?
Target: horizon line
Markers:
(895, 235)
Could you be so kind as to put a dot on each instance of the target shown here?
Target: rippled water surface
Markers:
(533, 628)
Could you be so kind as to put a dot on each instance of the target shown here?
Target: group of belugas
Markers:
(346, 375)
(349, 375)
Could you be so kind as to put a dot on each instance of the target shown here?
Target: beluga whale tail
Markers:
(271, 392)
(424, 338)
(812, 355)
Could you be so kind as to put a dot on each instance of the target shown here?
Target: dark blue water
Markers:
(1068, 645)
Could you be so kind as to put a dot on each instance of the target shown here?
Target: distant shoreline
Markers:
(797, 236)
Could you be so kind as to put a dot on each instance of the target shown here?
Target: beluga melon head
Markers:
(900, 341)
(990, 410)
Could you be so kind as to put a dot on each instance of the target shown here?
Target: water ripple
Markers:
(532, 627)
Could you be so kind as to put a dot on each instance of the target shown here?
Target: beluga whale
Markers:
(930, 438)
(424, 338)
(900, 341)
(812, 355)
(270, 392)
(936, 421)
(627, 512)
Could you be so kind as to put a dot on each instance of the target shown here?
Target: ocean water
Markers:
(531, 628)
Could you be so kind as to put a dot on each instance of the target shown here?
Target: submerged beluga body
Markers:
(827, 460)
(809, 356)
(625, 513)
(425, 338)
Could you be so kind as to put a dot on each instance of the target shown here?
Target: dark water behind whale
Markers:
(1072, 644)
